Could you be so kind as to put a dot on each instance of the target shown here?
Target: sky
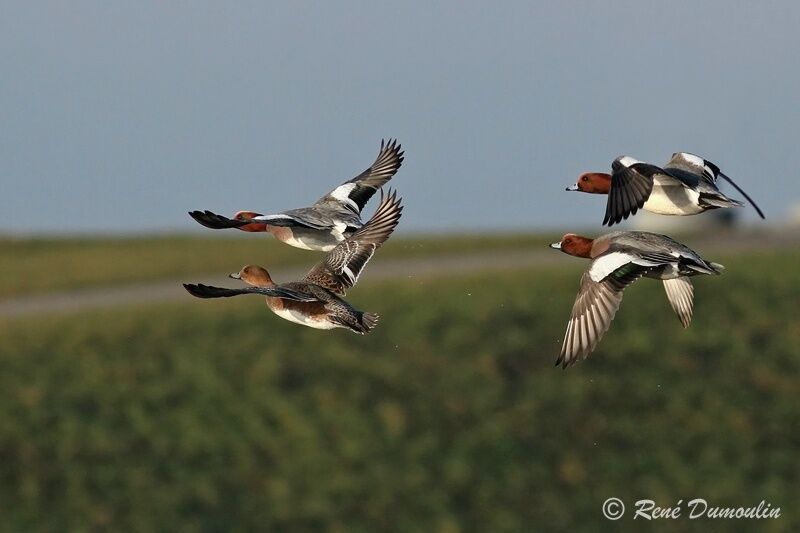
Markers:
(123, 116)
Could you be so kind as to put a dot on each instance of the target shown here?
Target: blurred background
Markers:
(125, 404)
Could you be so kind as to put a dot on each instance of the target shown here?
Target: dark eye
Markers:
(585, 178)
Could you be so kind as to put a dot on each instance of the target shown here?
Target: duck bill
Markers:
(235, 275)
(573, 187)
(556, 245)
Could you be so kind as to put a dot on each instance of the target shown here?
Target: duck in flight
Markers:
(686, 185)
(316, 300)
(332, 219)
(619, 259)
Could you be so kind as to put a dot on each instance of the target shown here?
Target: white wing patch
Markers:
(692, 159)
(699, 162)
(604, 265)
(342, 193)
(627, 160)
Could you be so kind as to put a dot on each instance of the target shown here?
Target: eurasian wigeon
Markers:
(316, 300)
(619, 259)
(686, 185)
(331, 220)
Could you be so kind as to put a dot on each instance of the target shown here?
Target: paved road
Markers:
(414, 268)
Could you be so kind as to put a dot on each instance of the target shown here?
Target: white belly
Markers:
(672, 199)
(318, 242)
(300, 243)
(299, 318)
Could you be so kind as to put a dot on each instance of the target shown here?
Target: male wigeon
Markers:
(316, 300)
(619, 259)
(686, 185)
(331, 220)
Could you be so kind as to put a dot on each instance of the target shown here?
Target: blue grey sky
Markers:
(124, 116)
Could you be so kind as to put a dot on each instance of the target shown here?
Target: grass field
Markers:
(216, 415)
(36, 265)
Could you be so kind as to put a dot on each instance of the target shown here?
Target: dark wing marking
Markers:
(593, 311)
(341, 267)
(630, 188)
(215, 221)
(207, 291)
(355, 193)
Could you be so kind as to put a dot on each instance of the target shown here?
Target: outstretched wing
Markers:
(341, 267)
(696, 165)
(355, 193)
(594, 309)
(631, 185)
(207, 291)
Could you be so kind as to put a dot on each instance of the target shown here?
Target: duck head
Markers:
(592, 182)
(253, 275)
(574, 245)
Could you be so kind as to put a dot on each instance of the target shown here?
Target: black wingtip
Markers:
(758, 209)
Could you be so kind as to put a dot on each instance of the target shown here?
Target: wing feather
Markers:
(593, 311)
(343, 265)
(207, 291)
(680, 293)
(630, 188)
(355, 193)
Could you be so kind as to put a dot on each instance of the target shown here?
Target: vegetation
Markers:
(216, 415)
(34, 265)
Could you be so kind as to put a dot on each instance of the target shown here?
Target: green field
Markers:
(36, 265)
(218, 416)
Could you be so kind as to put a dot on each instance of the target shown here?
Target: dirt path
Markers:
(161, 291)
(414, 268)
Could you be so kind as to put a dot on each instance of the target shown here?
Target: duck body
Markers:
(327, 311)
(617, 260)
(671, 196)
(331, 220)
(316, 300)
(686, 185)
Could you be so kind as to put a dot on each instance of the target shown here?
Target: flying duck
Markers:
(331, 220)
